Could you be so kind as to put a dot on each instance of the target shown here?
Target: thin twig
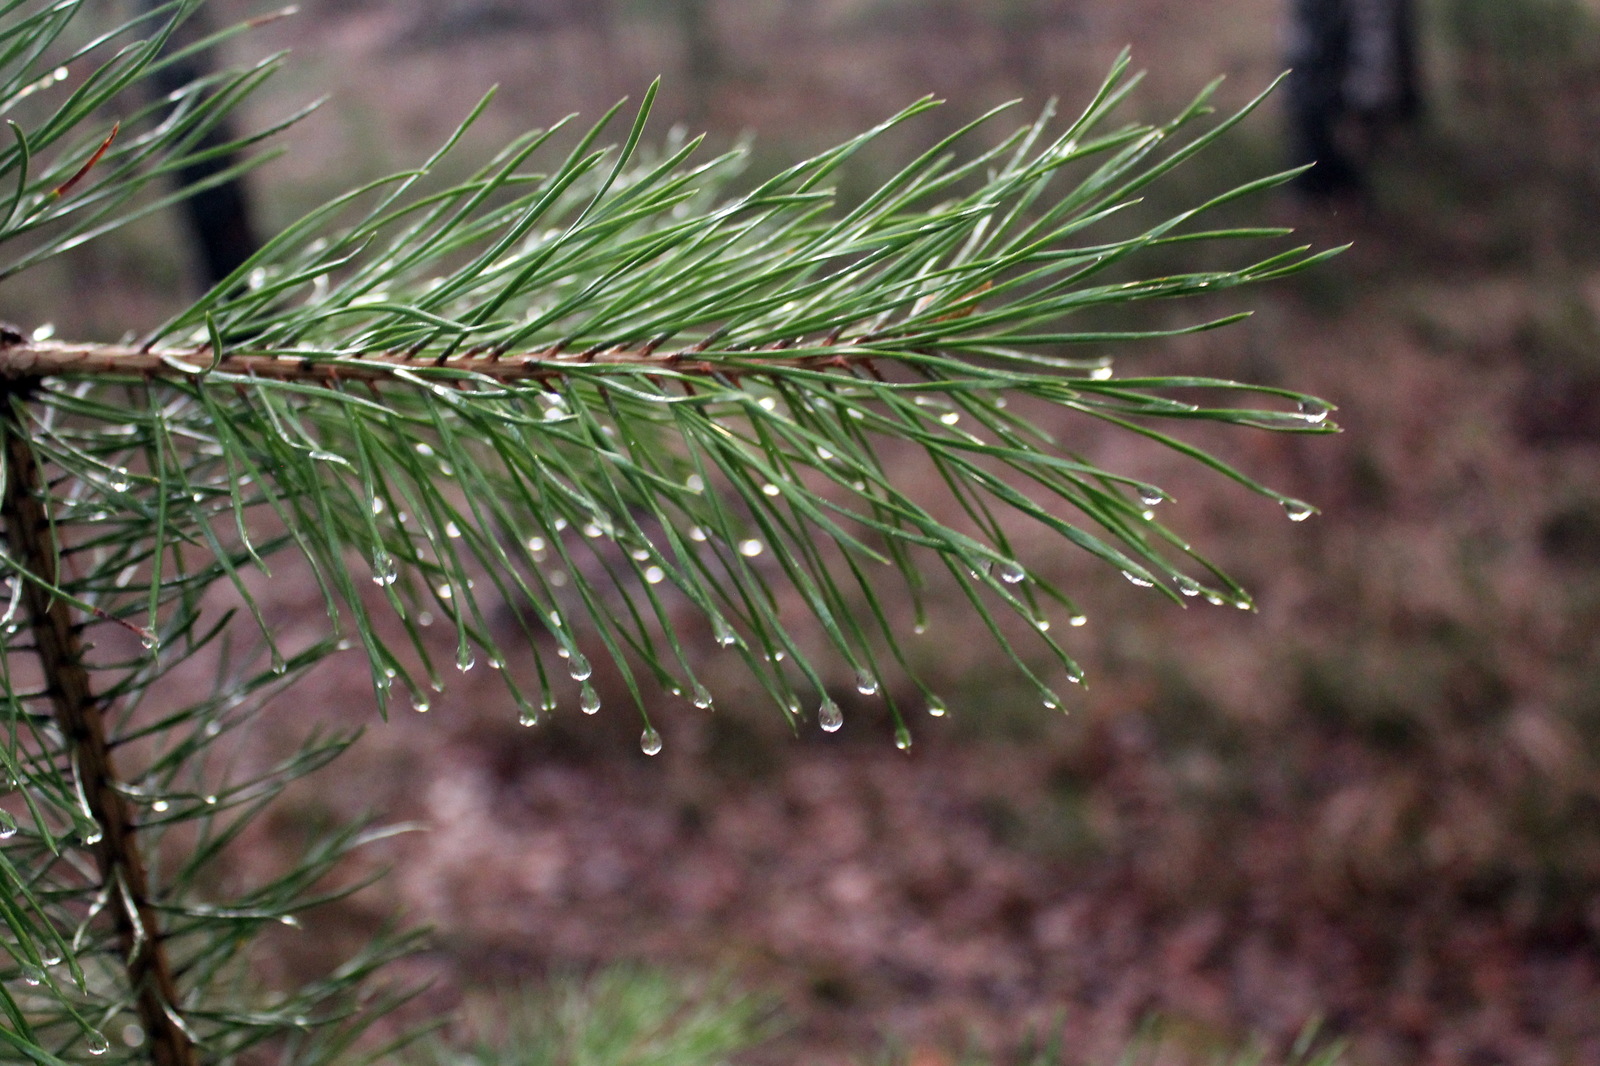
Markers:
(32, 361)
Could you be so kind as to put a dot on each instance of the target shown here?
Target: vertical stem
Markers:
(80, 716)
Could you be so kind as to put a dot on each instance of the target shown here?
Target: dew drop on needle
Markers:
(1298, 510)
(1314, 410)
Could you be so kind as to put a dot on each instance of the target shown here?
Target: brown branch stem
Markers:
(31, 361)
(79, 713)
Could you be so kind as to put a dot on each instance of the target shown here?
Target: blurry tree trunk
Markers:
(1019, 23)
(702, 58)
(219, 221)
(1354, 69)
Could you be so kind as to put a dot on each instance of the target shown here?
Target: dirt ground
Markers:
(1373, 801)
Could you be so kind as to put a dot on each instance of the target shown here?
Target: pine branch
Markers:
(23, 361)
(576, 388)
(80, 715)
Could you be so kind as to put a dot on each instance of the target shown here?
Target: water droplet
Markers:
(528, 717)
(697, 534)
(557, 578)
(695, 483)
(592, 530)
(44, 332)
(160, 806)
(1101, 373)
(578, 666)
(465, 660)
(702, 697)
(444, 592)
(1135, 579)
(32, 976)
(1244, 604)
(1042, 624)
(290, 920)
(588, 699)
(119, 480)
(936, 707)
(750, 548)
(769, 489)
(452, 530)
(902, 738)
(1051, 701)
(919, 628)
(96, 1041)
(1078, 620)
(639, 555)
(1151, 496)
(768, 403)
(536, 548)
(824, 454)
(650, 741)
(723, 633)
(829, 716)
(420, 704)
(377, 505)
(8, 826)
(560, 524)
(1214, 600)
(149, 639)
(866, 684)
(1298, 510)
(1314, 410)
(950, 418)
(424, 449)
(280, 666)
(654, 575)
(1187, 585)
(385, 571)
(132, 1035)
(210, 800)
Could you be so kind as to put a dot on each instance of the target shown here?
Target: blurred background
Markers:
(1375, 801)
